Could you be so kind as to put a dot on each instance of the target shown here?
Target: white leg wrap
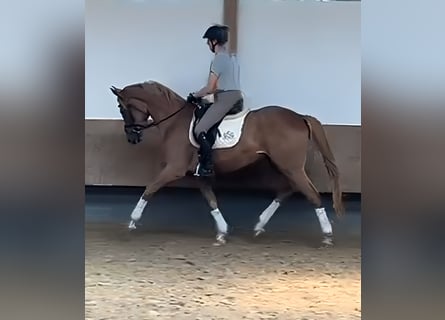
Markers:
(137, 211)
(221, 224)
(324, 221)
(266, 215)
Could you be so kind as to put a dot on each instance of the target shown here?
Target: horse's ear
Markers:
(116, 91)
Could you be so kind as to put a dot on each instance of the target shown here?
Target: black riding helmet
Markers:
(220, 33)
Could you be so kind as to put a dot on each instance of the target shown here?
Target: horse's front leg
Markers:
(167, 175)
(221, 224)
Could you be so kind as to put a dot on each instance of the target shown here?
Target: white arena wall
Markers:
(302, 55)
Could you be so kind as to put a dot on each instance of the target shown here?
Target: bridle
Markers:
(137, 128)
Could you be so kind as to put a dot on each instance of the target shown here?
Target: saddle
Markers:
(213, 132)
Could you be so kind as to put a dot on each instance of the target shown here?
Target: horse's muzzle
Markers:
(134, 136)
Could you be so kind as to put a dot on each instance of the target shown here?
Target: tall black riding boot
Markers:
(205, 156)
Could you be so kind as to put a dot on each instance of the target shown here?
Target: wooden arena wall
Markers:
(111, 160)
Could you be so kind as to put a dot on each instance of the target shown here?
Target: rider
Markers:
(223, 82)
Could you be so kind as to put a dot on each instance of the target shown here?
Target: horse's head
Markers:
(138, 102)
(134, 112)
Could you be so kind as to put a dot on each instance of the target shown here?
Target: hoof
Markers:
(132, 225)
(327, 241)
(258, 232)
(220, 240)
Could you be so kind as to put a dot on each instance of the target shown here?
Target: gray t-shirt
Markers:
(226, 67)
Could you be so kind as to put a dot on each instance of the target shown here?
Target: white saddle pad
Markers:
(231, 129)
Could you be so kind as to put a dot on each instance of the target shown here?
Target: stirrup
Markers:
(207, 172)
(196, 173)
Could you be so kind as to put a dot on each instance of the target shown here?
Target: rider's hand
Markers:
(192, 98)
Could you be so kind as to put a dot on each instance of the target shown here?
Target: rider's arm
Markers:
(218, 64)
(209, 88)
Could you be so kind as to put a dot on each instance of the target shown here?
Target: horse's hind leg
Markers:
(270, 210)
(305, 185)
(221, 224)
(166, 176)
(302, 183)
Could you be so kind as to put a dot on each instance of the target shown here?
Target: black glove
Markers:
(191, 98)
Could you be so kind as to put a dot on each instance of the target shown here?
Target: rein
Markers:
(153, 124)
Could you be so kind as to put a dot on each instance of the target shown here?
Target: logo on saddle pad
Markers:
(230, 128)
(228, 135)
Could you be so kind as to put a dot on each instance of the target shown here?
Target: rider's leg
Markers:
(223, 103)
(205, 156)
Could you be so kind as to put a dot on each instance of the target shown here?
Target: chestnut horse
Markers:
(275, 132)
